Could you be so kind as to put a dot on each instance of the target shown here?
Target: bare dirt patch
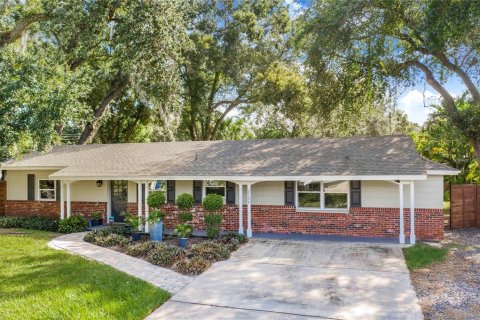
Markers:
(451, 289)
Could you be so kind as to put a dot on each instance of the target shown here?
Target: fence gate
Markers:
(3, 196)
(465, 206)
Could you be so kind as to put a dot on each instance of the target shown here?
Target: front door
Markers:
(119, 199)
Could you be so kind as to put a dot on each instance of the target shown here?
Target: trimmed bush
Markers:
(213, 202)
(164, 255)
(185, 201)
(210, 250)
(239, 237)
(140, 249)
(185, 216)
(111, 240)
(213, 221)
(75, 223)
(156, 199)
(193, 266)
(35, 223)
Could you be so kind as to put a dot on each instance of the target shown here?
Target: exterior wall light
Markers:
(99, 183)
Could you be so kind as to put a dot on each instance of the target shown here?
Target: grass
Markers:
(37, 282)
(422, 255)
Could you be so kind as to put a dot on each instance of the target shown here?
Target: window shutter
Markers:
(4, 175)
(170, 191)
(230, 192)
(197, 191)
(57, 191)
(289, 193)
(355, 193)
(31, 187)
(143, 193)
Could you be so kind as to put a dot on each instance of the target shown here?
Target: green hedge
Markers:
(35, 223)
(75, 223)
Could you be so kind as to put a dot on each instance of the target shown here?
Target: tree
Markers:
(236, 46)
(399, 40)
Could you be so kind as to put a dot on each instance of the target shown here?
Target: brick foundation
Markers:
(359, 222)
(51, 209)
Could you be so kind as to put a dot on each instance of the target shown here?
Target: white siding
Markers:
(384, 194)
(265, 193)
(183, 186)
(132, 191)
(88, 191)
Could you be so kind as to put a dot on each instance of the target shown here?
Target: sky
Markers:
(414, 101)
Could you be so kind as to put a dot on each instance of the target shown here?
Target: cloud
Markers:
(294, 8)
(417, 104)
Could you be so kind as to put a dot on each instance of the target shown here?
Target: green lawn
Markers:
(37, 282)
(421, 255)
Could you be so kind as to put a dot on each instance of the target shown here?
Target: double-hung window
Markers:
(215, 187)
(323, 195)
(46, 190)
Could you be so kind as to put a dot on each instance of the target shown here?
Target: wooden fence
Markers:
(3, 196)
(465, 206)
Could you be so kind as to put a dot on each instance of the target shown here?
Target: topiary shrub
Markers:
(210, 250)
(140, 249)
(185, 201)
(111, 240)
(164, 255)
(75, 223)
(185, 216)
(193, 266)
(213, 202)
(213, 222)
(156, 199)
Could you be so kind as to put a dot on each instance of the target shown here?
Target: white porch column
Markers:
(249, 210)
(62, 201)
(412, 212)
(147, 209)
(402, 228)
(69, 203)
(240, 208)
(139, 202)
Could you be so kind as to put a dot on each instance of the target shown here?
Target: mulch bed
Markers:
(451, 289)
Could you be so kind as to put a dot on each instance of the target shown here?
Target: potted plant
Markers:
(155, 200)
(213, 203)
(96, 219)
(185, 202)
(184, 231)
(135, 222)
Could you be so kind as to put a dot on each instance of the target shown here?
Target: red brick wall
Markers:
(361, 222)
(51, 209)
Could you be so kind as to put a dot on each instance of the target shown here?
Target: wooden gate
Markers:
(465, 206)
(3, 196)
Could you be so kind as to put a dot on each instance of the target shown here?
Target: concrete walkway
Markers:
(160, 277)
(278, 279)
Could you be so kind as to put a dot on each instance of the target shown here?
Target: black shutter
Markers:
(197, 191)
(143, 193)
(4, 175)
(230, 192)
(355, 193)
(170, 191)
(58, 186)
(289, 193)
(31, 187)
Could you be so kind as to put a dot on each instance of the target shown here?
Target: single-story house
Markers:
(340, 186)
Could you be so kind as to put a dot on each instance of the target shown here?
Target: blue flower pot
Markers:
(182, 242)
(137, 236)
(156, 231)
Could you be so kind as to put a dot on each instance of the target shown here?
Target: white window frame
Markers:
(39, 191)
(157, 190)
(204, 189)
(322, 198)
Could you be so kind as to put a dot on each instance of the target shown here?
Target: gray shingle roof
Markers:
(357, 156)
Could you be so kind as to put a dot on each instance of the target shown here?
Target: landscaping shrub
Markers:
(140, 249)
(185, 201)
(75, 223)
(213, 221)
(210, 250)
(124, 230)
(165, 255)
(185, 216)
(231, 242)
(111, 240)
(35, 223)
(193, 266)
(156, 199)
(213, 202)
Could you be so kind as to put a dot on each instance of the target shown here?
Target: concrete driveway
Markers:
(276, 279)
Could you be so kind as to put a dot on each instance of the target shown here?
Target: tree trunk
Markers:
(476, 146)
(21, 26)
(91, 129)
